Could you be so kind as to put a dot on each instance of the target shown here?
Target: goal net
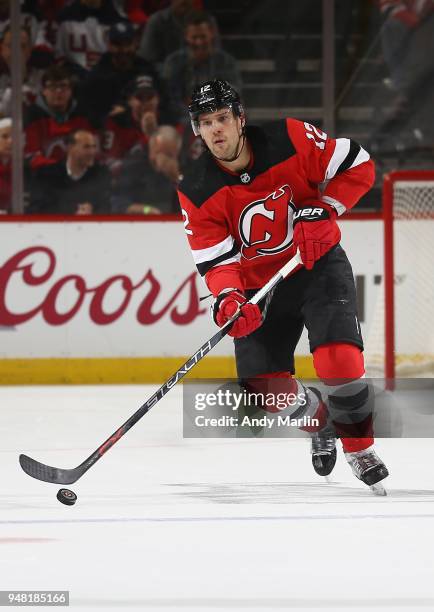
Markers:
(400, 342)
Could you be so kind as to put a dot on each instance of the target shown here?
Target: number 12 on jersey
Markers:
(318, 137)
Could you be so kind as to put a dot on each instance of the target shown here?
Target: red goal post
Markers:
(408, 215)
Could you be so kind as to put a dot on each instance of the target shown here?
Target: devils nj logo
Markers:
(265, 225)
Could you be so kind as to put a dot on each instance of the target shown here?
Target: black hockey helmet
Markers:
(211, 96)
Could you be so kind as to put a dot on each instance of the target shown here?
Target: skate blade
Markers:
(328, 480)
(378, 489)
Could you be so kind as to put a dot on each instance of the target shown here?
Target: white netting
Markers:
(413, 212)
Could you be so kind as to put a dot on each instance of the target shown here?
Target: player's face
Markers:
(221, 132)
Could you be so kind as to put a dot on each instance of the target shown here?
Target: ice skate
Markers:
(368, 467)
(323, 442)
(323, 451)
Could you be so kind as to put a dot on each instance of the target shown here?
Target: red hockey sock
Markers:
(321, 414)
(353, 445)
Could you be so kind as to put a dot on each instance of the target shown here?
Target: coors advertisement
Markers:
(27, 265)
(99, 289)
(128, 289)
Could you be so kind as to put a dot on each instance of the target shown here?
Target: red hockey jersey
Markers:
(239, 226)
(122, 136)
(45, 134)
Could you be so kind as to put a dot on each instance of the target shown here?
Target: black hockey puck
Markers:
(66, 496)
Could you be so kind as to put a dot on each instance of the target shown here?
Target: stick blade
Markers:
(40, 471)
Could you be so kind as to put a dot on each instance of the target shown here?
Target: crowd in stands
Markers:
(106, 85)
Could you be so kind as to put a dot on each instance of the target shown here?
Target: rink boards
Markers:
(118, 300)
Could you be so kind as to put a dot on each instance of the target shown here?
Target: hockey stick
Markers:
(64, 476)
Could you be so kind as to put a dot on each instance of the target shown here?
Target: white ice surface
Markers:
(167, 524)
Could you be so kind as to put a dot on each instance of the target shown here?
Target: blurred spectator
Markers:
(53, 116)
(35, 22)
(199, 61)
(82, 32)
(133, 10)
(31, 75)
(192, 147)
(408, 47)
(77, 185)
(106, 83)
(50, 9)
(164, 32)
(129, 129)
(5, 165)
(147, 183)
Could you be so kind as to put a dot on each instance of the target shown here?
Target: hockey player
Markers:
(253, 198)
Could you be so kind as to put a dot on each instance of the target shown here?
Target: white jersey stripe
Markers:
(338, 206)
(362, 157)
(212, 252)
(340, 153)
